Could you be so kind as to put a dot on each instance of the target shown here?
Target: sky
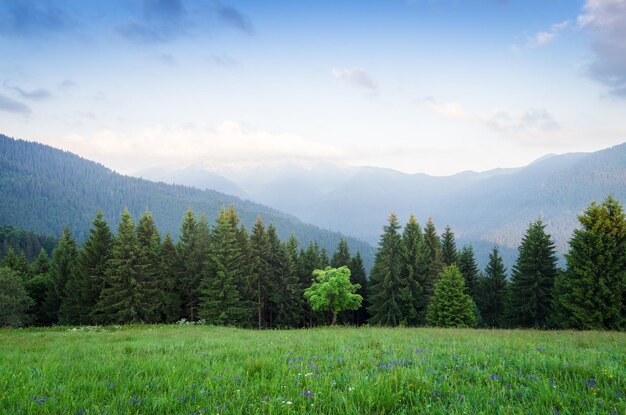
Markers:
(431, 86)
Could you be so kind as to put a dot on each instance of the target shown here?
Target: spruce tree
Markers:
(260, 271)
(63, 268)
(359, 276)
(450, 305)
(170, 309)
(341, 257)
(414, 274)
(448, 247)
(532, 280)
(386, 279)
(190, 257)
(309, 260)
(92, 263)
(149, 242)
(492, 290)
(17, 262)
(37, 286)
(41, 264)
(590, 293)
(469, 269)
(434, 258)
(220, 300)
(15, 303)
(124, 299)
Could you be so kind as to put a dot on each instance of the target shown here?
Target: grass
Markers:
(211, 370)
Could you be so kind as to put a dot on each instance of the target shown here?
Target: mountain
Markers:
(43, 189)
(493, 207)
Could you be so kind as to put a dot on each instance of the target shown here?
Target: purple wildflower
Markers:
(591, 383)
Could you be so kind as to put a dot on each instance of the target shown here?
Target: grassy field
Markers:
(209, 370)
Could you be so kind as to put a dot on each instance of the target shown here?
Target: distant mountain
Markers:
(43, 189)
(493, 207)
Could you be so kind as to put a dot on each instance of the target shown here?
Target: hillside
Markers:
(43, 189)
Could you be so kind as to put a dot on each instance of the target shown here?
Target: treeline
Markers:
(421, 279)
(221, 274)
(24, 241)
(225, 275)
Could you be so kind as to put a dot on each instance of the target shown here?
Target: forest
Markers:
(222, 274)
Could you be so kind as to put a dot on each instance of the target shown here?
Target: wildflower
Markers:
(494, 377)
(307, 393)
(540, 349)
(591, 383)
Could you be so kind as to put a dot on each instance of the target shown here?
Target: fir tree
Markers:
(37, 286)
(62, 269)
(450, 305)
(590, 294)
(309, 260)
(493, 291)
(414, 274)
(221, 303)
(41, 264)
(14, 300)
(190, 256)
(123, 299)
(92, 263)
(386, 280)
(149, 243)
(260, 271)
(170, 309)
(434, 258)
(358, 276)
(341, 257)
(448, 247)
(17, 262)
(469, 269)
(532, 280)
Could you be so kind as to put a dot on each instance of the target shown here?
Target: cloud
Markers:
(223, 60)
(25, 18)
(67, 84)
(228, 141)
(35, 94)
(530, 121)
(605, 20)
(161, 21)
(10, 105)
(544, 37)
(233, 17)
(357, 77)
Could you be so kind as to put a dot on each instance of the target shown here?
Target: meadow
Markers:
(193, 369)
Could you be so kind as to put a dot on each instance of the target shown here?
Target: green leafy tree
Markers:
(386, 278)
(590, 293)
(332, 290)
(63, 268)
(532, 280)
(414, 274)
(14, 300)
(448, 247)
(493, 291)
(308, 261)
(469, 269)
(450, 305)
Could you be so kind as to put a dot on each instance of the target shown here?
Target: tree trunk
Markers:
(334, 318)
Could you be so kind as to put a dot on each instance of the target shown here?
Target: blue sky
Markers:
(435, 86)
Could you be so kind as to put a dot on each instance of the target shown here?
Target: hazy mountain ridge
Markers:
(43, 189)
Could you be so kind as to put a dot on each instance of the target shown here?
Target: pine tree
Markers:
(448, 247)
(191, 252)
(62, 269)
(92, 263)
(170, 309)
(41, 264)
(450, 305)
(434, 258)
(414, 274)
(14, 300)
(221, 303)
(123, 299)
(149, 243)
(384, 296)
(341, 256)
(590, 294)
(260, 271)
(493, 291)
(17, 262)
(532, 280)
(37, 286)
(469, 269)
(359, 276)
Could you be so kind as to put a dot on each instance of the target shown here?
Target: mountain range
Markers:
(42, 189)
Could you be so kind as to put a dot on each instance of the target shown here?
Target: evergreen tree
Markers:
(450, 305)
(309, 260)
(190, 263)
(124, 298)
(170, 309)
(37, 286)
(434, 258)
(17, 262)
(448, 247)
(358, 276)
(590, 294)
(149, 243)
(92, 263)
(221, 303)
(260, 271)
(414, 274)
(532, 280)
(469, 269)
(493, 291)
(341, 257)
(386, 279)
(41, 264)
(62, 269)
(14, 300)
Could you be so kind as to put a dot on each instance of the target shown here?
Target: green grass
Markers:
(199, 369)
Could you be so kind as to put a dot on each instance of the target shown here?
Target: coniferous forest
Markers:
(220, 273)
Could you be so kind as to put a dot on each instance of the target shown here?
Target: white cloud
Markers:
(229, 141)
(544, 37)
(605, 20)
(357, 77)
